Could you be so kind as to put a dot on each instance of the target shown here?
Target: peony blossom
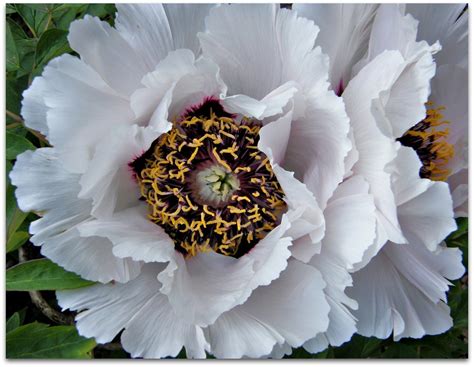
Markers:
(391, 88)
(196, 174)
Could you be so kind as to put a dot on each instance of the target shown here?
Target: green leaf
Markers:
(10, 9)
(35, 16)
(52, 43)
(42, 275)
(15, 216)
(17, 240)
(17, 144)
(13, 60)
(13, 322)
(64, 17)
(41, 341)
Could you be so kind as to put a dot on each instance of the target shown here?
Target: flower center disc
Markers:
(208, 185)
(429, 142)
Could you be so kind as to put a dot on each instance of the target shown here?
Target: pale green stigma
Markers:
(215, 185)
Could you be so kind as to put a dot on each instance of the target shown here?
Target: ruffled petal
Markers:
(180, 78)
(404, 104)
(350, 230)
(228, 281)
(277, 47)
(282, 312)
(458, 184)
(318, 144)
(428, 218)
(450, 90)
(133, 235)
(344, 36)
(43, 185)
(375, 149)
(402, 291)
(106, 51)
(80, 109)
(152, 330)
(153, 30)
(446, 23)
(109, 181)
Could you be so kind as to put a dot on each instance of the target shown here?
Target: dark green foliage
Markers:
(35, 34)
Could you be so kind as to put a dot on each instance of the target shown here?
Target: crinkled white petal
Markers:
(180, 78)
(43, 185)
(152, 329)
(228, 281)
(404, 103)
(344, 36)
(291, 309)
(103, 48)
(402, 291)
(80, 109)
(133, 235)
(425, 207)
(307, 223)
(458, 184)
(318, 144)
(450, 90)
(154, 30)
(109, 180)
(277, 47)
(33, 107)
(428, 218)
(376, 150)
(446, 23)
(350, 230)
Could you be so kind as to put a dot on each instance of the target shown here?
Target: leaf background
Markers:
(35, 34)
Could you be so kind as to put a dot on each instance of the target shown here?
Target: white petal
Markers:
(344, 36)
(109, 181)
(407, 183)
(446, 23)
(318, 144)
(450, 89)
(153, 30)
(275, 48)
(107, 52)
(389, 295)
(404, 103)
(152, 330)
(350, 230)
(132, 235)
(428, 218)
(307, 223)
(350, 222)
(376, 150)
(33, 107)
(43, 185)
(92, 257)
(228, 281)
(191, 283)
(274, 138)
(458, 184)
(282, 311)
(81, 109)
(187, 82)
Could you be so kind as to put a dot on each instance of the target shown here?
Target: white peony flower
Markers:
(384, 80)
(196, 158)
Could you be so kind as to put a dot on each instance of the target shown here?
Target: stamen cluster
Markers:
(430, 144)
(209, 186)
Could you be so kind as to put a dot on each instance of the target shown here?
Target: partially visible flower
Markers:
(402, 288)
(448, 23)
(203, 188)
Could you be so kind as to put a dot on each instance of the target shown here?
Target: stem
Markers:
(14, 116)
(41, 303)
